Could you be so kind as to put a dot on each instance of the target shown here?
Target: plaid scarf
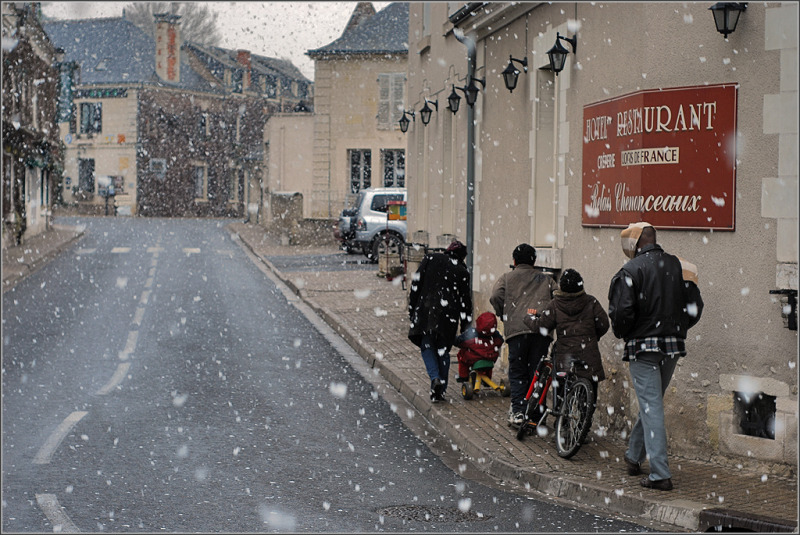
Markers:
(667, 345)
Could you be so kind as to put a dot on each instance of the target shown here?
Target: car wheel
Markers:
(386, 243)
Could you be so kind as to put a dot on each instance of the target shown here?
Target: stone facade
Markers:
(290, 158)
(528, 170)
(358, 100)
(211, 143)
(32, 156)
(178, 128)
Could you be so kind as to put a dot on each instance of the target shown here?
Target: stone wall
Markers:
(289, 224)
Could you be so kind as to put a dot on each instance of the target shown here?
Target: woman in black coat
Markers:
(440, 301)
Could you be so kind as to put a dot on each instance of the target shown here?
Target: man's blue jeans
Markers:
(436, 356)
(651, 374)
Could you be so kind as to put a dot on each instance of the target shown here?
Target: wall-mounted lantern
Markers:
(511, 73)
(726, 15)
(404, 120)
(558, 54)
(425, 112)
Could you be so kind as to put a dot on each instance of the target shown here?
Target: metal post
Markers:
(471, 53)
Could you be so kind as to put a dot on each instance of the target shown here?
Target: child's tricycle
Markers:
(478, 376)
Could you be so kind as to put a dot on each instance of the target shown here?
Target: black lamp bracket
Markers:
(523, 62)
(571, 40)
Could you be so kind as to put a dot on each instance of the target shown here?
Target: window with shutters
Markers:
(391, 87)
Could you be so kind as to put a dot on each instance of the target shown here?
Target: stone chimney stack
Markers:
(243, 58)
(168, 47)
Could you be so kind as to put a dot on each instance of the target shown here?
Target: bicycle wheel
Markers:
(575, 418)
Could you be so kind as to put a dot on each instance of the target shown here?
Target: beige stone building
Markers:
(32, 158)
(700, 131)
(289, 159)
(359, 85)
(175, 127)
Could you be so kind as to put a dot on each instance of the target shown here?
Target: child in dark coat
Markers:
(481, 342)
(579, 321)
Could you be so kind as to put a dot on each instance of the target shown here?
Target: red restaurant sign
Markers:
(665, 156)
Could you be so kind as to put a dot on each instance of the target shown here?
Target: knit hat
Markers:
(486, 323)
(524, 254)
(571, 281)
(630, 237)
(457, 250)
(689, 270)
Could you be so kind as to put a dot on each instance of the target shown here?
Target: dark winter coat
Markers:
(440, 299)
(579, 321)
(522, 291)
(481, 342)
(648, 297)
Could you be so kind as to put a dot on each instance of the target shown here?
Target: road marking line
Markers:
(154, 249)
(130, 345)
(145, 296)
(149, 282)
(55, 514)
(121, 250)
(119, 375)
(154, 261)
(55, 438)
(137, 317)
(190, 250)
(152, 272)
(84, 251)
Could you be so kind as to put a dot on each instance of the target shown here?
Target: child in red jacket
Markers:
(481, 342)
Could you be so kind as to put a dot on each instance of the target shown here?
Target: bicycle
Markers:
(572, 401)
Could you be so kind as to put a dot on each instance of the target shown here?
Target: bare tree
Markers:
(198, 22)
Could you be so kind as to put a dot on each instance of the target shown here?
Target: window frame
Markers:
(159, 171)
(234, 180)
(397, 179)
(87, 184)
(363, 167)
(91, 118)
(204, 194)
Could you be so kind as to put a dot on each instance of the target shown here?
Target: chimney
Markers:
(168, 47)
(243, 58)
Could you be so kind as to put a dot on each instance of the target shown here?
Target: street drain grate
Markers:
(424, 513)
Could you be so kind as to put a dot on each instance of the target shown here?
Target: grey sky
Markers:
(276, 29)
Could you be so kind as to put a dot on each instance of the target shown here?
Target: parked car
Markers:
(345, 230)
(374, 232)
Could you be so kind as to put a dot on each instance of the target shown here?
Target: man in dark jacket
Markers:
(440, 301)
(516, 294)
(651, 307)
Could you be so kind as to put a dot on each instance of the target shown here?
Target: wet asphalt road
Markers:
(156, 379)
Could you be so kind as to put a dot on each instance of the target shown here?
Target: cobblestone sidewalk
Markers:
(369, 312)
